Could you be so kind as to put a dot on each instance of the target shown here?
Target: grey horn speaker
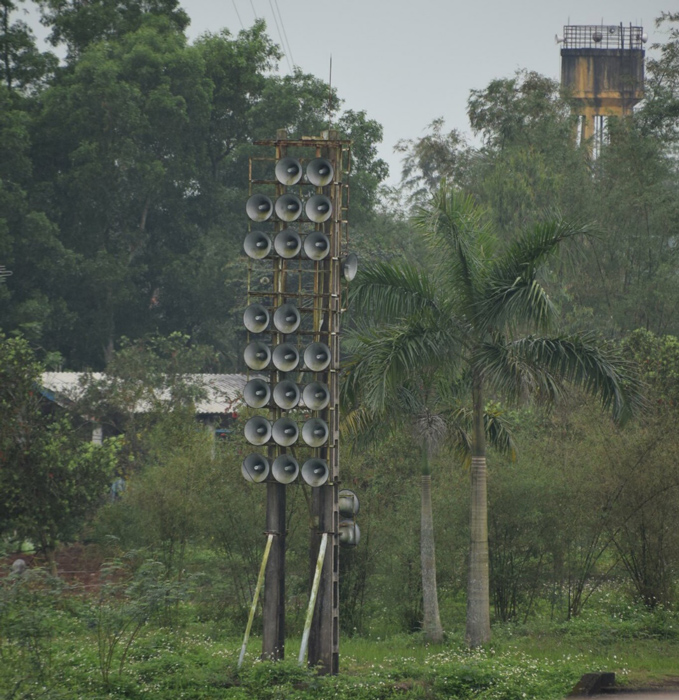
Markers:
(255, 468)
(318, 208)
(317, 357)
(257, 393)
(257, 245)
(320, 172)
(287, 244)
(286, 394)
(257, 431)
(315, 432)
(316, 396)
(348, 503)
(256, 318)
(288, 207)
(286, 357)
(259, 207)
(288, 171)
(257, 355)
(315, 472)
(349, 266)
(286, 318)
(349, 533)
(316, 246)
(285, 469)
(285, 432)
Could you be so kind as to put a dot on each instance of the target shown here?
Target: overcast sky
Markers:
(408, 62)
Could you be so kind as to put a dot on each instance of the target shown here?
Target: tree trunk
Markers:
(478, 586)
(431, 624)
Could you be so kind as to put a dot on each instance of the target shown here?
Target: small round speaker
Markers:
(316, 246)
(255, 468)
(285, 469)
(259, 207)
(318, 208)
(257, 245)
(315, 472)
(257, 431)
(316, 396)
(285, 432)
(349, 533)
(286, 318)
(349, 266)
(288, 171)
(317, 357)
(348, 503)
(286, 394)
(285, 357)
(287, 244)
(320, 172)
(288, 207)
(257, 355)
(257, 393)
(256, 318)
(315, 432)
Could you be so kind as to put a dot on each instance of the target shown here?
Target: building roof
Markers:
(223, 392)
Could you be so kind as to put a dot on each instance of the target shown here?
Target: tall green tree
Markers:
(470, 314)
(52, 477)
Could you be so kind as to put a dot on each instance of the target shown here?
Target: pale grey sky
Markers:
(408, 62)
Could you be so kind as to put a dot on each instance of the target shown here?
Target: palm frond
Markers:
(454, 227)
(390, 291)
(542, 366)
(511, 292)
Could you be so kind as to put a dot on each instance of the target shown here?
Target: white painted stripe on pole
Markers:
(258, 587)
(312, 599)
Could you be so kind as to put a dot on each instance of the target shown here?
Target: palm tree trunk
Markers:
(431, 624)
(478, 585)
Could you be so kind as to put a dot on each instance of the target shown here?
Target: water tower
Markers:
(602, 68)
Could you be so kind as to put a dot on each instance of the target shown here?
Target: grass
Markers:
(50, 648)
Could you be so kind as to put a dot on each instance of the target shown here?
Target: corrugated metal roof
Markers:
(223, 392)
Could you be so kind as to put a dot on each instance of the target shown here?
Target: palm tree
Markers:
(468, 317)
(426, 402)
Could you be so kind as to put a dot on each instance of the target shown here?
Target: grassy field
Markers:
(54, 644)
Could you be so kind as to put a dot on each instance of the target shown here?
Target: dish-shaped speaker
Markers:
(285, 357)
(257, 355)
(315, 432)
(288, 207)
(255, 468)
(285, 469)
(288, 171)
(256, 318)
(349, 533)
(287, 244)
(316, 246)
(257, 431)
(285, 432)
(286, 318)
(317, 357)
(315, 472)
(320, 172)
(316, 396)
(286, 394)
(349, 266)
(257, 245)
(348, 503)
(259, 207)
(318, 208)
(257, 393)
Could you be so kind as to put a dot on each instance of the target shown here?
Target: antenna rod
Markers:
(330, 95)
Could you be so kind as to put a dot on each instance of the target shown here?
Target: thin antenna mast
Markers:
(330, 95)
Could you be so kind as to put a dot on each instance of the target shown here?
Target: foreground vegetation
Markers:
(148, 637)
